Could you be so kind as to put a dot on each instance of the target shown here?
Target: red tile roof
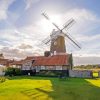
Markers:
(17, 62)
(33, 57)
(45, 61)
(26, 60)
(52, 60)
(5, 62)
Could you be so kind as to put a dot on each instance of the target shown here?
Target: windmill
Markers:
(57, 39)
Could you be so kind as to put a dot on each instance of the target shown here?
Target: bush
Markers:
(17, 71)
(9, 71)
(2, 79)
(13, 71)
(51, 73)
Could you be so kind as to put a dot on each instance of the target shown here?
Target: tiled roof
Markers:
(33, 57)
(4, 61)
(47, 61)
(17, 62)
(52, 60)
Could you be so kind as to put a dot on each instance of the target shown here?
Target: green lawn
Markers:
(43, 88)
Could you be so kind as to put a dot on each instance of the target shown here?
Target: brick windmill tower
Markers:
(57, 37)
(57, 44)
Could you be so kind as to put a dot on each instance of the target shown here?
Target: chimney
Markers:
(47, 53)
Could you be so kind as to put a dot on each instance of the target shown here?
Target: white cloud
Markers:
(81, 14)
(29, 3)
(25, 46)
(82, 37)
(16, 53)
(4, 4)
(86, 60)
(36, 32)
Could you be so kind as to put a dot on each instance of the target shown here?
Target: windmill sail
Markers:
(46, 16)
(68, 24)
(72, 40)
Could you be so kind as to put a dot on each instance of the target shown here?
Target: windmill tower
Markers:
(57, 45)
(57, 38)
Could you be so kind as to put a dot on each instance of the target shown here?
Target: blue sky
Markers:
(22, 27)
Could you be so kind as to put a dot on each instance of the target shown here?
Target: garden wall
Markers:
(80, 73)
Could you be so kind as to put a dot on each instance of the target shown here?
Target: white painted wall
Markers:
(16, 66)
(43, 68)
(38, 68)
(50, 67)
(27, 65)
(58, 67)
(2, 71)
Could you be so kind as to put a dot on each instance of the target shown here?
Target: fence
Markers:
(80, 73)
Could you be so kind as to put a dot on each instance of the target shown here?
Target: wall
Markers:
(1, 72)
(16, 66)
(27, 65)
(80, 73)
(38, 68)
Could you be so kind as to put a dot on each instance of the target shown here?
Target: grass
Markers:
(44, 88)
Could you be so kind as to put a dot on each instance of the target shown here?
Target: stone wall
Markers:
(80, 73)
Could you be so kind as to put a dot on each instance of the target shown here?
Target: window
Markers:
(58, 67)
(43, 67)
(50, 67)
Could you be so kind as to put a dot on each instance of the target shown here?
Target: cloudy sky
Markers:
(22, 27)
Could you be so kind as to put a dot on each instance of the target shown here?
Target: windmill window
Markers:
(55, 43)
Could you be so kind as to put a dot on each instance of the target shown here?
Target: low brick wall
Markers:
(80, 73)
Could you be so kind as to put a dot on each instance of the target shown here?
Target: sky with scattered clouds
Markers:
(22, 27)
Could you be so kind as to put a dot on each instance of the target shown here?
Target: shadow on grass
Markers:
(37, 94)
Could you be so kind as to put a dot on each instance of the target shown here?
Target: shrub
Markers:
(2, 79)
(13, 71)
(9, 71)
(50, 73)
(17, 71)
